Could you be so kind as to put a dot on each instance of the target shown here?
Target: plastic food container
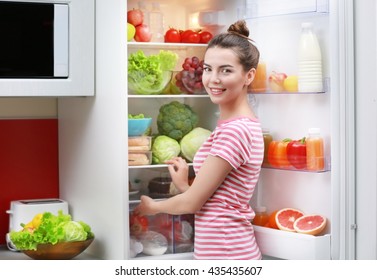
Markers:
(139, 143)
(136, 158)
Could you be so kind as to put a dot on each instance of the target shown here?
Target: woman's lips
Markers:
(217, 91)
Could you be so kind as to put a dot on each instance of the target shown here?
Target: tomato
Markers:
(277, 154)
(135, 17)
(172, 35)
(190, 36)
(143, 33)
(296, 153)
(138, 224)
(205, 37)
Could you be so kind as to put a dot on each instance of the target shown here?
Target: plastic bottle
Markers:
(267, 139)
(156, 23)
(143, 7)
(259, 83)
(315, 159)
(261, 216)
(309, 61)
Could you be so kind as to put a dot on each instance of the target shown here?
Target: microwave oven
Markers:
(34, 40)
(47, 48)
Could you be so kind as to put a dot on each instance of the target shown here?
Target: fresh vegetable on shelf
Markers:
(191, 142)
(164, 148)
(138, 224)
(150, 74)
(47, 228)
(176, 119)
(277, 154)
(296, 153)
(172, 35)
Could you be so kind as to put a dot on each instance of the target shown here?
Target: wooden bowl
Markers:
(59, 251)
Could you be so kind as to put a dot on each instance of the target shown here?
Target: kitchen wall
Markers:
(28, 152)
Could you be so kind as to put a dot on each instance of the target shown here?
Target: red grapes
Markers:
(189, 79)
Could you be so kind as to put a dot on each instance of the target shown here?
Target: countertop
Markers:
(6, 254)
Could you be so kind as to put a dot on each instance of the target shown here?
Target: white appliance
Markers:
(23, 211)
(86, 136)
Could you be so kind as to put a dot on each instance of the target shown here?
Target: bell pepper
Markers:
(277, 154)
(296, 153)
(138, 224)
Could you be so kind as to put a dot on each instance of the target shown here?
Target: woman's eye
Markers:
(206, 69)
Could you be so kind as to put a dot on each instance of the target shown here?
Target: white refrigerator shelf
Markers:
(292, 246)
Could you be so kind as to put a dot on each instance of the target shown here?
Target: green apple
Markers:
(131, 30)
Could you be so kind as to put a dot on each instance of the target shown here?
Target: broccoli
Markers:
(176, 119)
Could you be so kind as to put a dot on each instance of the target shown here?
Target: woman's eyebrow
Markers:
(221, 66)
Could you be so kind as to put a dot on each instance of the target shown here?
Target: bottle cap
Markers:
(260, 209)
(314, 130)
(307, 25)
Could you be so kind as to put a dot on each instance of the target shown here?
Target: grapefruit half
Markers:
(286, 217)
(310, 224)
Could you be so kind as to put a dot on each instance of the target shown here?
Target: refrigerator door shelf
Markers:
(292, 246)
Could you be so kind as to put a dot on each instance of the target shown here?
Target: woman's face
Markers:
(224, 78)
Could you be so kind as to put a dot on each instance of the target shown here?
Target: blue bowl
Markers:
(137, 127)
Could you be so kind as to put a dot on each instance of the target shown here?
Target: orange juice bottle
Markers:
(267, 139)
(261, 216)
(315, 159)
(259, 83)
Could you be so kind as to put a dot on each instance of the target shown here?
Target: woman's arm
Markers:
(211, 174)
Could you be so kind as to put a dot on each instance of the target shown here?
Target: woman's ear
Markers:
(250, 76)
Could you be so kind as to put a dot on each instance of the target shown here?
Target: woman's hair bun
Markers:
(239, 27)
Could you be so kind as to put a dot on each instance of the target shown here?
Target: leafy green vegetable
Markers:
(138, 116)
(53, 229)
(192, 141)
(164, 148)
(150, 74)
(176, 119)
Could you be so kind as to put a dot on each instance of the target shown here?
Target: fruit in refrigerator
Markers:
(272, 220)
(286, 217)
(205, 37)
(172, 35)
(135, 17)
(190, 36)
(143, 33)
(276, 81)
(291, 84)
(189, 79)
(138, 224)
(310, 224)
(131, 30)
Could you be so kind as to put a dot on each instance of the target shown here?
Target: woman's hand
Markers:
(179, 171)
(146, 206)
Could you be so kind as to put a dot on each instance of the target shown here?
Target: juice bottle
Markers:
(315, 159)
(267, 139)
(259, 83)
(261, 216)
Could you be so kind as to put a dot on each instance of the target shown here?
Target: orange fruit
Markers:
(286, 217)
(310, 224)
(272, 220)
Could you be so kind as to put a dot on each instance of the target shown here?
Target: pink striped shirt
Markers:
(222, 227)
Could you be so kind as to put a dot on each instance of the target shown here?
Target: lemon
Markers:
(131, 30)
(291, 84)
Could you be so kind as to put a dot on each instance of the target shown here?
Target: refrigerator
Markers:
(93, 131)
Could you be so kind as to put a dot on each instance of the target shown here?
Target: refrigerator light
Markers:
(212, 18)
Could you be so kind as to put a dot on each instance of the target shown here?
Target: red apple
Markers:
(143, 34)
(135, 17)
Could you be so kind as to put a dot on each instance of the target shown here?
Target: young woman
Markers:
(228, 164)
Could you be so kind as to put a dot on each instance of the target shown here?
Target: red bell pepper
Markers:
(296, 153)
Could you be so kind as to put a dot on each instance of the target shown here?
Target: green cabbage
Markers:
(150, 74)
(53, 229)
(164, 148)
(192, 141)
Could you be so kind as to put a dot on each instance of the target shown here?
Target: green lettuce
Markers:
(53, 229)
(150, 74)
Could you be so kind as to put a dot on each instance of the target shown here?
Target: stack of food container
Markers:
(139, 150)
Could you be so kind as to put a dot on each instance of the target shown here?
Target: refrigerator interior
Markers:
(276, 32)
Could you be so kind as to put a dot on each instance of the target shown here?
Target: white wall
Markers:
(28, 107)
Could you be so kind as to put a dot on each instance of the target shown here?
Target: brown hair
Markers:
(237, 39)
